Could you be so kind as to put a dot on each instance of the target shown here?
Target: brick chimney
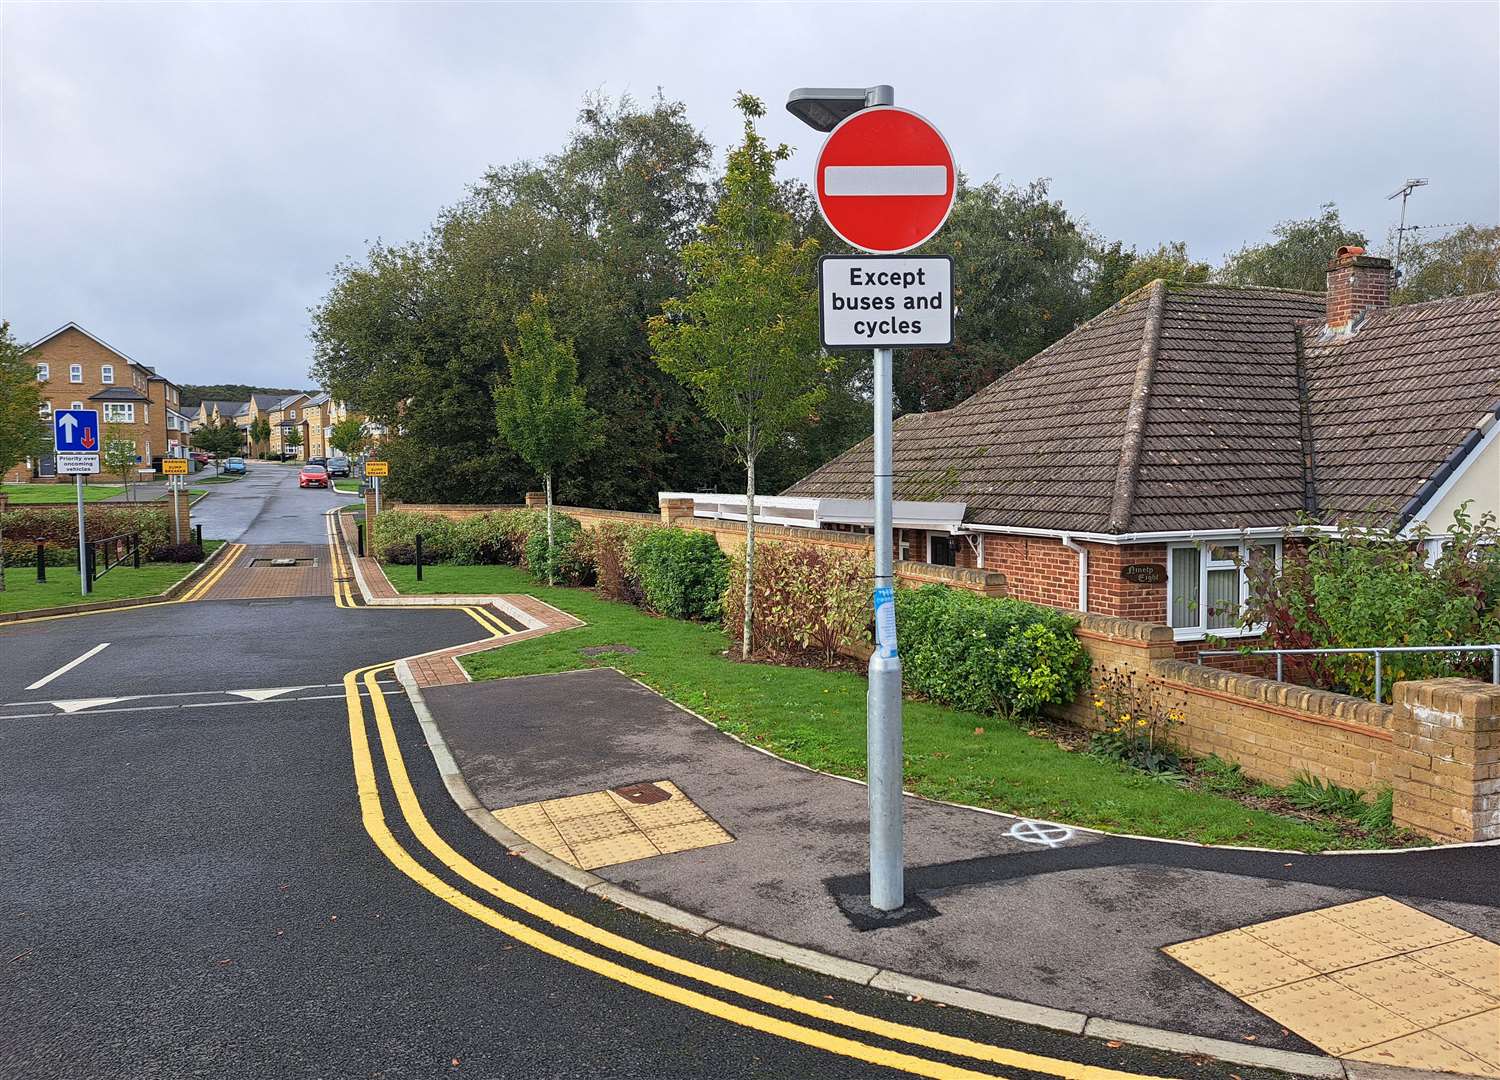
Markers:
(1357, 283)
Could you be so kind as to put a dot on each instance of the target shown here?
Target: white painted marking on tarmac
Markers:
(262, 695)
(1041, 832)
(69, 666)
(74, 705)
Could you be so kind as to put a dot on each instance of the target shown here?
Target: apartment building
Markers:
(77, 370)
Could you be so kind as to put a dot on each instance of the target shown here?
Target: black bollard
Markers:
(419, 556)
(359, 527)
(41, 560)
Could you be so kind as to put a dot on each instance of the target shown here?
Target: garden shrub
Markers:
(393, 537)
(178, 553)
(58, 526)
(810, 600)
(988, 655)
(498, 537)
(617, 577)
(1373, 587)
(682, 573)
(572, 561)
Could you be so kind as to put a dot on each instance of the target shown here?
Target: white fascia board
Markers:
(1420, 517)
(1157, 537)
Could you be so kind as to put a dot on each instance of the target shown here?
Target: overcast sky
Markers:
(180, 179)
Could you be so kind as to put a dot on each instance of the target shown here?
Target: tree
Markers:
(23, 430)
(1464, 262)
(259, 434)
(541, 412)
(1120, 272)
(221, 440)
(348, 436)
(1297, 258)
(118, 456)
(744, 336)
(291, 440)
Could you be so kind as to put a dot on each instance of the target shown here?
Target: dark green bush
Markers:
(682, 574)
(498, 537)
(58, 526)
(617, 577)
(988, 655)
(572, 559)
(393, 536)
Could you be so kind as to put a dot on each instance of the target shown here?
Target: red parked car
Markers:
(312, 476)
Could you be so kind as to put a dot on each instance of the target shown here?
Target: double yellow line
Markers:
(373, 815)
(202, 589)
(343, 588)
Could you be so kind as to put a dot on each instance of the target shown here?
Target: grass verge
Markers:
(24, 593)
(52, 494)
(817, 718)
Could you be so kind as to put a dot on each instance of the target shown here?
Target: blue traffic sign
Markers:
(76, 430)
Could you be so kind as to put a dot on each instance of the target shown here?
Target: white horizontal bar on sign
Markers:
(885, 180)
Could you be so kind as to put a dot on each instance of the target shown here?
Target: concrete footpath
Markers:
(1065, 919)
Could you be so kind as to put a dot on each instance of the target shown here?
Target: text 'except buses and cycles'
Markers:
(875, 302)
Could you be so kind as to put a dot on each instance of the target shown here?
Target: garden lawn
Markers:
(348, 487)
(817, 718)
(51, 494)
(218, 479)
(24, 593)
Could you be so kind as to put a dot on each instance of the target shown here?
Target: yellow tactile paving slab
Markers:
(602, 828)
(1470, 960)
(1424, 1050)
(1375, 980)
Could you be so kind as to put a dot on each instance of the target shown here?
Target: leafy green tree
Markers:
(744, 336)
(118, 457)
(1120, 271)
(291, 441)
(541, 410)
(1298, 256)
(348, 436)
(1464, 262)
(221, 440)
(259, 434)
(23, 430)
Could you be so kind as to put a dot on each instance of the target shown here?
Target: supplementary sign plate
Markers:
(76, 463)
(377, 468)
(885, 302)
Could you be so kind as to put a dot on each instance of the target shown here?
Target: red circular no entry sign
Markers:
(885, 180)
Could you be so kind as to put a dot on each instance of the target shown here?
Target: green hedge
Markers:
(988, 655)
(682, 574)
(810, 601)
(572, 555)
(58, 526)
(499, 537)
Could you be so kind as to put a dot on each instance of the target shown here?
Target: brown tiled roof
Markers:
(1392, 402)
(1190, 407)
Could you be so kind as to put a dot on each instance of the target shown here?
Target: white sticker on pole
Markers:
(885, 621)
(885, 302)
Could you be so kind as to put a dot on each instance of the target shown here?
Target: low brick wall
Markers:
(1438, 747)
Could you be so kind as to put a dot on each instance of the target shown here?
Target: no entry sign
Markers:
(885, 180)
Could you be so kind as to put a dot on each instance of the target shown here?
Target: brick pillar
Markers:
(675, 509)
(536, 500)
(369, 505)
(1445, 735)
(181, 510)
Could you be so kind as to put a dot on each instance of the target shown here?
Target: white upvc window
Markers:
(77, 405)
(46, 409)
(291, 413)
(43, 372)
(119, 412)
(1207, 586)
(107, 374)
(75, 373)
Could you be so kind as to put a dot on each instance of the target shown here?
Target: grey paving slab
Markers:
(1074, 927)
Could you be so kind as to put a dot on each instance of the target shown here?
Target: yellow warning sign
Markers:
(174, 466)
(377, 468)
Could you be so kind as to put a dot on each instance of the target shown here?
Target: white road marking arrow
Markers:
(262, 695)
(76, 704)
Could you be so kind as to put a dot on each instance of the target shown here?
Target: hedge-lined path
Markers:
(1066, 919)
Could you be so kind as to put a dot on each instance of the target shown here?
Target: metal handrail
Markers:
(1378, 651)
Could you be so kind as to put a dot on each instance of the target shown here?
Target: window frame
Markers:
(110, 408)
(43, 371)
(1205, 564)
(107, 374)
(75, 373)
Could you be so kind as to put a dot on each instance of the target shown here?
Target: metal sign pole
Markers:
(883, 704)
(377, 494)
(176, 519)
(83, 569)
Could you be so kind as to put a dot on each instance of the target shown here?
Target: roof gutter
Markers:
(1083, 569)
(1158, 537)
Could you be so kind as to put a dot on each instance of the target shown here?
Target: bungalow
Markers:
(1135, 465)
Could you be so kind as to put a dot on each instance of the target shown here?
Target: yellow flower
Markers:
(1098, 703)
(1140, 723)
(1125, 717)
